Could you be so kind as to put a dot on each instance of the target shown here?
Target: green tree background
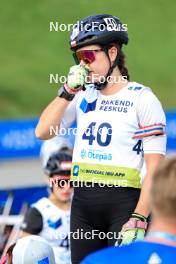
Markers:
(30, 52)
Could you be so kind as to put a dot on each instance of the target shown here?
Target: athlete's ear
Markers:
(113, 51)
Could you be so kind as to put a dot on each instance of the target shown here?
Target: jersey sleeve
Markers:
(152, 123)
(69, 116)
(33, 222)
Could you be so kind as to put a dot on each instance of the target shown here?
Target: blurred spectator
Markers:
(50, 217)
(159, 246)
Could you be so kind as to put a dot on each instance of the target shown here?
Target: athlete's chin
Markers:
(65, 197)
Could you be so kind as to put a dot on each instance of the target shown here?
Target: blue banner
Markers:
(17, 137)
(171, 131)
(20, 195)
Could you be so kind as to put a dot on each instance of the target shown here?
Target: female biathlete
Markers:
(119, 125)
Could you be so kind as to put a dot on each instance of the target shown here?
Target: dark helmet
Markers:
(59, 163)
(99, 29)
(103, 30)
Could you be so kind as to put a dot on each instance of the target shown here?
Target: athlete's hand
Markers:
(133, 230)
(77, 77)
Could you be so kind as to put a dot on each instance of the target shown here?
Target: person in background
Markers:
(50, 217)
(159, 246)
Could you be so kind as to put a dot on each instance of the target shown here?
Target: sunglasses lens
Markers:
(88, 56)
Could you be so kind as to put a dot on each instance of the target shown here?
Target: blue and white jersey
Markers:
(56, 227)
(141, 252)
(114, 132)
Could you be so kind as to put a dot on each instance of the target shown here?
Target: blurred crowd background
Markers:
(30, 52)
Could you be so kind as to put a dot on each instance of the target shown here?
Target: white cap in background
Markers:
(32, 250)
(51, 146)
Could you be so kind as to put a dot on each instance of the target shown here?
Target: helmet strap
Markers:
(102, 85)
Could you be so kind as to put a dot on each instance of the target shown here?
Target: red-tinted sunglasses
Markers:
(88, 56)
